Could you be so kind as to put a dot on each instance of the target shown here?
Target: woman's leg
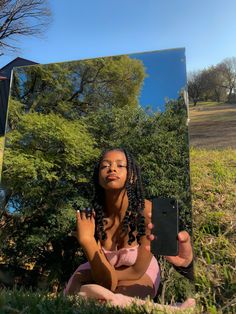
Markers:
(79, 278)
(94, 291)
(140, 288)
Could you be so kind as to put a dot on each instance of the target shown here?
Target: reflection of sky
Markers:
(166, 72)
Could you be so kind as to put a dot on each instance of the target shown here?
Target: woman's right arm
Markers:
(102, 271)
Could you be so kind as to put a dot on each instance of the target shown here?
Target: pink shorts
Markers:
(153, 273)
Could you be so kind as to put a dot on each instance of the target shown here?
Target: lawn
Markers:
(213, 175)
(213, 125)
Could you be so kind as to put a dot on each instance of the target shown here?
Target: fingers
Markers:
(151, 237)
(85, 214)
(183, 236)
(150, 226)
(78, 215)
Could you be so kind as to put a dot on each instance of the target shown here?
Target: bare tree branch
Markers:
(21, 18)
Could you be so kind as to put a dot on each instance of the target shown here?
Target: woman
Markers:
(114, 236)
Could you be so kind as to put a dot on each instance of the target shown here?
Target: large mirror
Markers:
(60, 117)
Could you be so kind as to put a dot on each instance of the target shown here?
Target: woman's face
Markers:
(113, 170)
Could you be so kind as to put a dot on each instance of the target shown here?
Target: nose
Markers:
(112, 167)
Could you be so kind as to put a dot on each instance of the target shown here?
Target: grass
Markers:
(27, 302)
(224, 112)
(213, 126)
(213, 175)
(206, 104)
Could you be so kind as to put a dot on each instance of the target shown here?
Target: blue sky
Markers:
(86, 29)
(166, 76)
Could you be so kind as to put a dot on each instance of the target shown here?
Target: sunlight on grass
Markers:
(29, 302)
(213, 176)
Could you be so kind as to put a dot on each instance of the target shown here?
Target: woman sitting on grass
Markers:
(114, 235)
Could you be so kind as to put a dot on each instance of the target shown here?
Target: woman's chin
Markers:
(113, 186)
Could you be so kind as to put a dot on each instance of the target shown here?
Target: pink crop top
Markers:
(122, 257)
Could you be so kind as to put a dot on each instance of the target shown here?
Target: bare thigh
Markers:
(78, 279)
(141, 288)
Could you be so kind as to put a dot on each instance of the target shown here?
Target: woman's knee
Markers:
(140, 290)
(75, 282)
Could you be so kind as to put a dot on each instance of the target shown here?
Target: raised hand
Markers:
(185, 255)
(85, 223)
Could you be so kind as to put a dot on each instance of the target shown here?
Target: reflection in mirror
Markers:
(60, 118)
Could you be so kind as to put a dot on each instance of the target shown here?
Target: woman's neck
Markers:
(116, 203)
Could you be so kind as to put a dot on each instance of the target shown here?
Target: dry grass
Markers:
(213, 126)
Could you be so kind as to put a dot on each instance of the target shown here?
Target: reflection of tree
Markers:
(76, 88)
(61, 116)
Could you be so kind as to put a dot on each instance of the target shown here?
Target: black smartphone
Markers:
(165, 218)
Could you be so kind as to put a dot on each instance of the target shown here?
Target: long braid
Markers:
(98, 203)
(136, 201)
(141, 220)
(132, 207)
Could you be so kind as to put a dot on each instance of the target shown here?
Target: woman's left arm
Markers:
(144, 257)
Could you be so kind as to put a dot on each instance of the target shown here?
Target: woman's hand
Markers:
(185, 254)
(85, 224)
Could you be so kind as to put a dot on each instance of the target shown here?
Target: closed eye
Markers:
(104, 166)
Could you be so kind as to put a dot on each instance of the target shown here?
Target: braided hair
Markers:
(134, 219)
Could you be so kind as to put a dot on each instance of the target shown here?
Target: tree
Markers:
(47, 166)
(228, 70)
(21, 18)
(213, 81)
(196, 86)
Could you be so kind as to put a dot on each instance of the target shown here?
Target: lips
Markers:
(112, 177)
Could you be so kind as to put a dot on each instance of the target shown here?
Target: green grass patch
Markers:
(213, 176)
(27, 302)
